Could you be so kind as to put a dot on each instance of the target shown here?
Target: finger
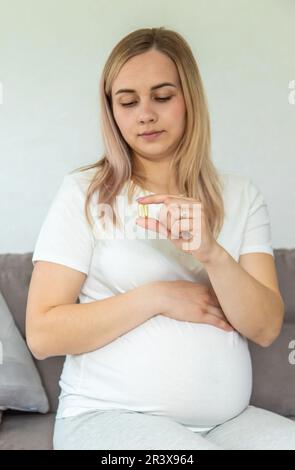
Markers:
(153, 198)
(217, 311)
(218, 322)
(213, 297)
(179, 226)
(172, 212)
(189, 226)
(152, 224)
(165, 198)
(179, 210)
(168, 214)
(213, 300)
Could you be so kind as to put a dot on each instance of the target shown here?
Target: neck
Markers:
(159, 186)
(155, 177)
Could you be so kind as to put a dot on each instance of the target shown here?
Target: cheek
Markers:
(177, 116)
(127, 127)
(118, 116)
(123, 121)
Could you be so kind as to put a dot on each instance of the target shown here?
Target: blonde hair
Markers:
(191, 163)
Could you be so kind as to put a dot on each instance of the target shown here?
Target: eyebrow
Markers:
(155, 87)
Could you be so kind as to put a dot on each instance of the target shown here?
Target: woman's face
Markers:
(145, 109)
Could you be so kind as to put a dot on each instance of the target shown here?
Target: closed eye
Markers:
(158, 99)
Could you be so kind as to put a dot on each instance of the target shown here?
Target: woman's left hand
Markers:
(183, 221)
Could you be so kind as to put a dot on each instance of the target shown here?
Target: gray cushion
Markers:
(285, 264)
(273, 370)
(274, 375)
(15, 275)
(26, 431)
(20, 384)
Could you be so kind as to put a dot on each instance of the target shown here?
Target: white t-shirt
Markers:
(194, 373)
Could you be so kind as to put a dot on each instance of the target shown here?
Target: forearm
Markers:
(252, 308)
(80, 328)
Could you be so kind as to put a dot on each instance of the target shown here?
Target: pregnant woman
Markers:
(170, 286)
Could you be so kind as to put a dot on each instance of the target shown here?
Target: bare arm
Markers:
(56, 325)
(248, 293)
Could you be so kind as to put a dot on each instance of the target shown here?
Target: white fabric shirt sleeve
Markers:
(257, 233)
(65, 236)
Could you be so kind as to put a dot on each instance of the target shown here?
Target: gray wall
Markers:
(51, 56)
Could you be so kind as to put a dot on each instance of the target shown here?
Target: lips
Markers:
(150, 133)
(151, 137)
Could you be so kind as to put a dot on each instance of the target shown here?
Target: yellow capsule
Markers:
(143, 210)
(139, 209)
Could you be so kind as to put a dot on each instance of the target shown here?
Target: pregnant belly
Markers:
(196, 374)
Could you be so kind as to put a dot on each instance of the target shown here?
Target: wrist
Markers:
(159, 294)
(216, 256)
(152, 298)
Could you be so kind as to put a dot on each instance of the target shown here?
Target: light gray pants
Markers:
(255, 428)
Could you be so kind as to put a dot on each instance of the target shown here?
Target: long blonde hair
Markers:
(196, 175)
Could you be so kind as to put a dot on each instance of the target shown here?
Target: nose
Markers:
(146, 113)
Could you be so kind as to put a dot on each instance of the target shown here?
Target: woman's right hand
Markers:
(192, 302)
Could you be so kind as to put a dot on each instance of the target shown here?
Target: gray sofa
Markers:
(273, 367)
